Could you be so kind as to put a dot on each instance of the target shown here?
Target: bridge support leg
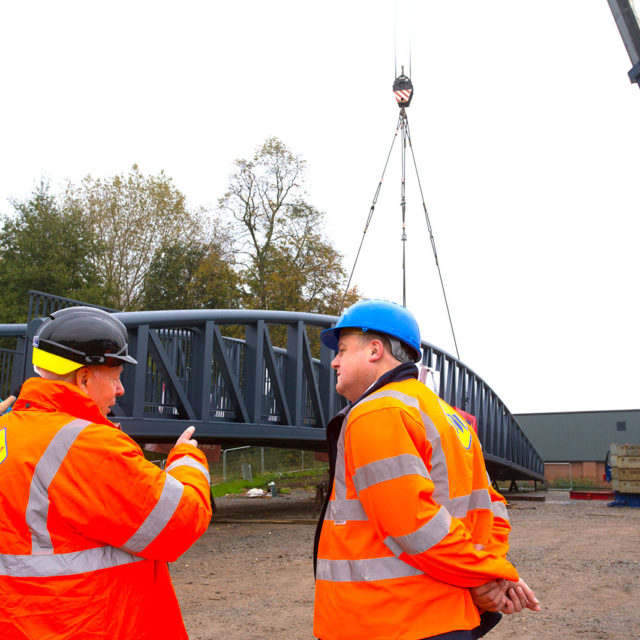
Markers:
(513, 486)
(321, 491)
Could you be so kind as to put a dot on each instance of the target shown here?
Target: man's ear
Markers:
(82, 377)
(375, 350)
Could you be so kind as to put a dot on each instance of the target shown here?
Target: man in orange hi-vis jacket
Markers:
(87, 525)
(413, 539)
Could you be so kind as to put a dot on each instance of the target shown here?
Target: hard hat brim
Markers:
(330, 337)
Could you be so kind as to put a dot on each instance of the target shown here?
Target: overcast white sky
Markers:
(524, 126)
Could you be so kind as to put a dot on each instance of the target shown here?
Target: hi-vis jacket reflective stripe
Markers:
(411, 524)
(87, 525)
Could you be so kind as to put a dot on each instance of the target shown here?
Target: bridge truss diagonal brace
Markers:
(299, 368)
(259, 350)
(230, 381)
(163, 361)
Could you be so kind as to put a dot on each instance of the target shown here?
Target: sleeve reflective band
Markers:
(426, 537)
(389, 469)
(460, 506)
(345, 510)
(64, 564)
(157, 520)
(499, 510)
(187, 461)
(46, 468)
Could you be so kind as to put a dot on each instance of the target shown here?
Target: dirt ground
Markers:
(250, 575)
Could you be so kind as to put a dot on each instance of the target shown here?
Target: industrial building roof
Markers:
(580, 435)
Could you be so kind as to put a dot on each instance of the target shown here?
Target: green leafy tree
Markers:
(136, 218)
(46, 247)
(286, 261)
(193, 275)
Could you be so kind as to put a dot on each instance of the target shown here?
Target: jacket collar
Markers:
(57, 396)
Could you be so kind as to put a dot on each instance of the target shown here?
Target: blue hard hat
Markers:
(381, 316)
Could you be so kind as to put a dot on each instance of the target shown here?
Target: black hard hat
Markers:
(80, 337)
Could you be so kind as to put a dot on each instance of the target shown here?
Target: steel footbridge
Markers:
(221, 371)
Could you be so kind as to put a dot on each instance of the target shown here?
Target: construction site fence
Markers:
(245, 463)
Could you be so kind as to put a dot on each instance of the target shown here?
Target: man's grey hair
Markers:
(400, 351)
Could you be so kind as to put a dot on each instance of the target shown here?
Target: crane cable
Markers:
(395, 37)
(432, 239)
(403, 124)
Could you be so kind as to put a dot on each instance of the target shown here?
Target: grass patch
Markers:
(284, 481)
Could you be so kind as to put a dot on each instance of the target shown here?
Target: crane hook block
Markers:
(403, 90)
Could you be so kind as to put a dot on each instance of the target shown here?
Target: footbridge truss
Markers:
(260, 378)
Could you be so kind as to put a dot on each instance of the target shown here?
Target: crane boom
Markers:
(628, 23)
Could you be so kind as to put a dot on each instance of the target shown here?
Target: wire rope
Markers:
(403, 123)
(432, 239)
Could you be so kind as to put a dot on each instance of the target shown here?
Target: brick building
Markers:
(575, 444)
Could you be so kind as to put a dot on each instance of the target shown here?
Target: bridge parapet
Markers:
(220, 371)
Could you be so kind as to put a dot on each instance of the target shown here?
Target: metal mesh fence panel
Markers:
(261, 460)
(559, 477)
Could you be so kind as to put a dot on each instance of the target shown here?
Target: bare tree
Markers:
(286, 260)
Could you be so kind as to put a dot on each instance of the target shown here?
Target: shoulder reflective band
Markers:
(157, 519)
(46, 468)
(64, 564)
(388, 469)
(187, 461)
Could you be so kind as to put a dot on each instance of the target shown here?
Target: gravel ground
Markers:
(250, 576)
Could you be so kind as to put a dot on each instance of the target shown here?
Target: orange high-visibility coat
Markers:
(87, 525)
(412, 522)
